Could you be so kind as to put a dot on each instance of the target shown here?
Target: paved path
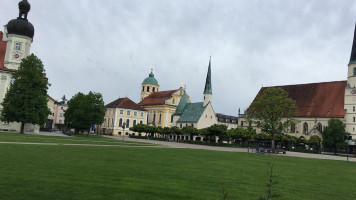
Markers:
(55, 133)
(230, 149)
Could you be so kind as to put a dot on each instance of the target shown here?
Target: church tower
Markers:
(350, 92)
(149, 85)
(20, 34)
(208, 90)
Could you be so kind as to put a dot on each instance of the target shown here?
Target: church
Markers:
(319, 102)
(15, 45)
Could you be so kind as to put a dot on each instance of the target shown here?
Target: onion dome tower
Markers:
(20, 34)
(149, 85)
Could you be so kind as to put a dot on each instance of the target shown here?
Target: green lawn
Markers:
(92, 172)
(74, 139)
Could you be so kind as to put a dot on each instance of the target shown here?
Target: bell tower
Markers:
(149, 85)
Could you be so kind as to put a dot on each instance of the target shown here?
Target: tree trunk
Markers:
(272, 145)
(88, 132)
(22, 127)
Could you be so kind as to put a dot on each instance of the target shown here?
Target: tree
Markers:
(216, 130)
(333, 134)
(314, 140)
(191, 131)
(272, 110)
(85, 110)
(26, 99)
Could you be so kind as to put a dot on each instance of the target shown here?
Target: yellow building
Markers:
(122, 114)
(161, 105)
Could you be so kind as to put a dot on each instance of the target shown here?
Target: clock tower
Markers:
(19, 37)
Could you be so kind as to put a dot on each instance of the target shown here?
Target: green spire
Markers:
(208, 89)
(182, 103)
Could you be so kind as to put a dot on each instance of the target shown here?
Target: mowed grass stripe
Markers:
(82, 172)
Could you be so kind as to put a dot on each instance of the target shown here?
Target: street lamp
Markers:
(123, 131)
(348, 140)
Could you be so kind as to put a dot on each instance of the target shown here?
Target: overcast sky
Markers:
(109, 46)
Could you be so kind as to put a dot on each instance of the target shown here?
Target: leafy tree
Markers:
(85, 110)
(190, 130)
(314, 140)
(26, 99)
(216, 130)
(268, 110)
(333, 134)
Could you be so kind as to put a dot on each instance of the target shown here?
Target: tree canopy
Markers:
(333, 134)
(85, 110)
(272, 111)
(26, 99)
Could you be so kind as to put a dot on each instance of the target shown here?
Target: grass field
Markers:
(114, 172)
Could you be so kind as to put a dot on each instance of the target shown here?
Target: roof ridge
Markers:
(303, 84)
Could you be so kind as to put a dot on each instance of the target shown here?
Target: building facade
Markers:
(160, 105)
(15, 45)
(122, 114)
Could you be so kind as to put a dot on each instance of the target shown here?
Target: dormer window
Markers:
(18, 46)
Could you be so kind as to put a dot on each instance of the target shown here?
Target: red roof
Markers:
(124, 103)
(157, 98)
(2, 50)
(317, 99)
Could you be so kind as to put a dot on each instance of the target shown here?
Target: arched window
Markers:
(120, 122)
(354, 71)
(112, 122)
(160, 117)
(127, 123)
(171, 118)
(108, 122)
(141, 122)
(320, 127)
(148, 89)
(134, 123)
(153, 89)
(305, 128)
(292, 128)
(148, 117)
(154, 117)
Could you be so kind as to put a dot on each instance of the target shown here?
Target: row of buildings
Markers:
(317, 102)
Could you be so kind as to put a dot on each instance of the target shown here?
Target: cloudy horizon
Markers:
(110, 46)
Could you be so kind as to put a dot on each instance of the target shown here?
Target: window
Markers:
(112, 122)
(61, 108)
(148, 117)
(153, 89)
(53, 114)
(160, 117)
(143, 88)
(171, 118)
(128, 112)
(121, 112)
(305, 128)
(18, 46)
(108, 122)
(135, 113)
(120, 122)
(141, 122)
(134, 123)
(354, 71)
(192, 125)
(292, 128)
(320, 127)
(173, 101)
(127, 123)
(180, 125)
(354, 108)
(354, 119)
(242, 123)
(61, 114)
(154, 117)
(60, 121)
(141, 114)
(148, 88)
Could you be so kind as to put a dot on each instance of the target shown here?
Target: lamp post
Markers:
(348, 140)
(123, 131)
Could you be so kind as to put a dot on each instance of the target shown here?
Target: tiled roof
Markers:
(226, 118)
(317, 99)
(2, 50)
(157, 98)
(2, 68)
(124, 103)
(192, 112)
(182, 103)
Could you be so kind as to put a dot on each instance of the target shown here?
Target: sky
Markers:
(110, 46)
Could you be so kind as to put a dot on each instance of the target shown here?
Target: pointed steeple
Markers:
(208, 89)
(353, 50)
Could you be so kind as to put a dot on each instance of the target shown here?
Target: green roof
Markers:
(151, 79)
(182, 103)
(192, 112)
